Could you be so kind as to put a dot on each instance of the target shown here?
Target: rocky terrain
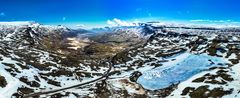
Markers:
(147, 60)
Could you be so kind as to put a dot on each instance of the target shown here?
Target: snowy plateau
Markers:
(151, 59)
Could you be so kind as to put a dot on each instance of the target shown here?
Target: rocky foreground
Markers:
(148, 60)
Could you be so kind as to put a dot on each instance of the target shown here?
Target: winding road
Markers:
(70, 87)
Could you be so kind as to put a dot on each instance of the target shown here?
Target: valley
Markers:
(146, 60)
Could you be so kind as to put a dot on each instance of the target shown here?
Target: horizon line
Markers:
(131, 22)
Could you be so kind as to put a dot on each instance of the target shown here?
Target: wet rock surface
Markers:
(134, 76)
(3, 81)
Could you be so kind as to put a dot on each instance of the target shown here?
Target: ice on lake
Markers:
(182, 68)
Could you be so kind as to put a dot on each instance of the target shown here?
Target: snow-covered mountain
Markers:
(138, 31)
(183, 62)
(146, 60)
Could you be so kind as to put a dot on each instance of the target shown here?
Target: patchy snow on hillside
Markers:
(12, 82)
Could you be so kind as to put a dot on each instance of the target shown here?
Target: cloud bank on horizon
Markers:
(118, 22)
(205, 23)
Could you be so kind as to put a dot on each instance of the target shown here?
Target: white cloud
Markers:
(109, 22)
(211, 21)
(2, 14)
(81, 26)
(118, 22)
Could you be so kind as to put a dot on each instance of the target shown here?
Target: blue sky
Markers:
(99, 11)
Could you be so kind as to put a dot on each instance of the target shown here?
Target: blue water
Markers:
(163, 77)
(99, 11)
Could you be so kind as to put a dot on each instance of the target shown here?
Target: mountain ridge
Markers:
(42, 58)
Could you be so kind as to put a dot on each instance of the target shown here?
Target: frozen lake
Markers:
(182, 68)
